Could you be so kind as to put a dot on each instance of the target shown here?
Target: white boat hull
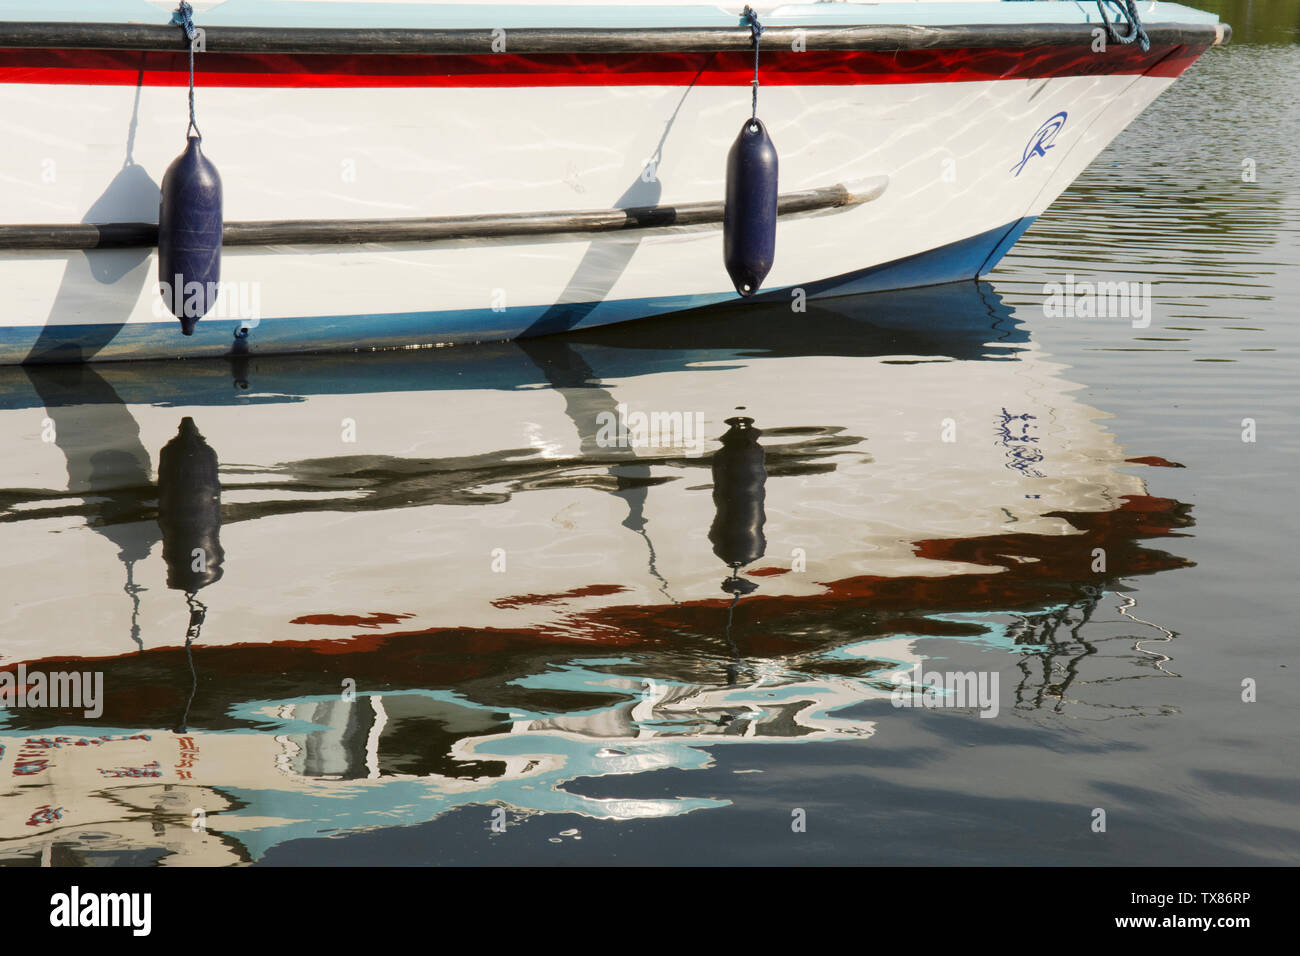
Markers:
(963, 182)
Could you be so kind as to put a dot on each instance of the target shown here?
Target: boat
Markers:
(423, 173)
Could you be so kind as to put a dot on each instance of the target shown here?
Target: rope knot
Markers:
(183, 16)
(1135, 29)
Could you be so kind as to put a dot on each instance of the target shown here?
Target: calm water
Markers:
(445, 617)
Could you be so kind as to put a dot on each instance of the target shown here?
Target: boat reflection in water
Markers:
(189, 515)
(739, 477)
(447, 584)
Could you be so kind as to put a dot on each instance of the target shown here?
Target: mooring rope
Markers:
(185, 13)
(1135, 29)
(755, 33)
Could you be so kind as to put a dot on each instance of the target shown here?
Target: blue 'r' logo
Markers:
(1041, 141)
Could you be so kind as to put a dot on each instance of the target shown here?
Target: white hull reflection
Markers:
(499, 507)
(581, 656)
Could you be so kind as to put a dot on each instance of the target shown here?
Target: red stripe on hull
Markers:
(778, 68)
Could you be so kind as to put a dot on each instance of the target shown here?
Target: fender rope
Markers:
(183, 17)
(755, 33)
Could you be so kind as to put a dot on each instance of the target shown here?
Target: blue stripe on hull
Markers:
(965, 259)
